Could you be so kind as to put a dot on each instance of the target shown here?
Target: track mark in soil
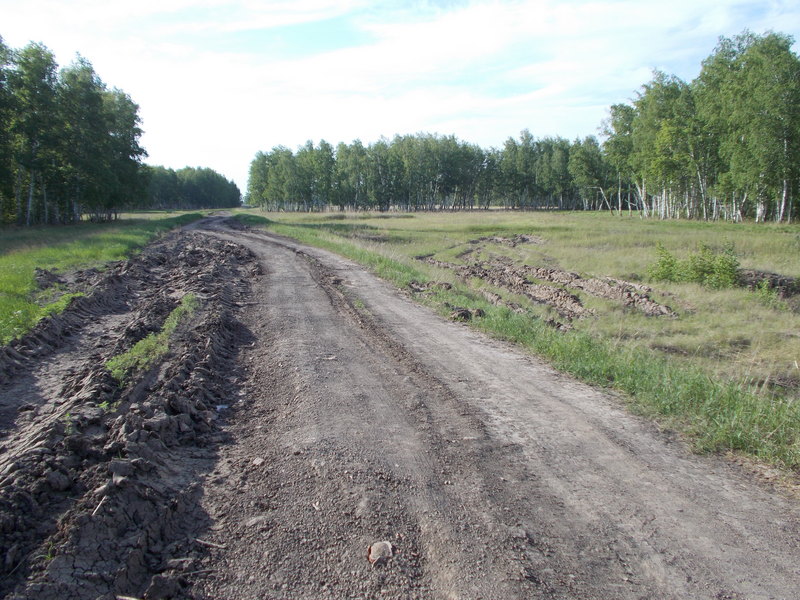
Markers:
(98, 483)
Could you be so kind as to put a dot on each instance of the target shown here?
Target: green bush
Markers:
(666, 267)
(715, 269)
(769, 296)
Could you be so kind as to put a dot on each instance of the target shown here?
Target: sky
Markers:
(218, 80)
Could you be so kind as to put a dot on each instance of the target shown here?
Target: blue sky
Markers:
(218, 80)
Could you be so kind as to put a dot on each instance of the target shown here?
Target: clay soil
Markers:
(308, 411)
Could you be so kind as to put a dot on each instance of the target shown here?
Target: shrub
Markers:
(706, 267)
(666, 267)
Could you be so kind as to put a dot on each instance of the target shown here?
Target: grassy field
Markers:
(61, 249)
(725, 371)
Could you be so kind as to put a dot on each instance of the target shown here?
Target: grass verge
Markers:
(715, 414)
(61, 249)
(147, 351)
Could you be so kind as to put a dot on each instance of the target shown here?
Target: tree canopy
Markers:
(69, 145)
(70, 149)
(724, 146)
(189, 188)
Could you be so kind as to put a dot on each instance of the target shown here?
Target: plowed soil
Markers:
(308, 411)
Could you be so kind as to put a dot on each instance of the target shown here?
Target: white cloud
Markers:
(483, 70)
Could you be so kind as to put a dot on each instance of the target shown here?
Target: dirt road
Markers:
(339, 414)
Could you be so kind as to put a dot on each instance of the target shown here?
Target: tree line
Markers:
(724, 146)
(70, 149)
(189, 188)
(429, 172)
(69, 146)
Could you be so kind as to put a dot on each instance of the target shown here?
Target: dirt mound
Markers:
(98, 482)
(785, 286)
(519, 238)
(428, 287)
(503, 273)
(629, 294)
(507, 277)
(46, 279)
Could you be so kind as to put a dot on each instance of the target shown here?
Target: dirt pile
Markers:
(521, 279)
(428, 287)
(629, 294)
(784, 286)
(97, 480)
(513, 241)
(507, 277)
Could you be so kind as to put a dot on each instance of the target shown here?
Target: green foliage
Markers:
(666, 267)
(713, 269)
(69, 424)
(429, 172)
(769, 296)
(189, 188)
(148, 351)
(725, 146)
(69, 146)
(50, 554)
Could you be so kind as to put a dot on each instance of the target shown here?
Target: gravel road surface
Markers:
(370, 418)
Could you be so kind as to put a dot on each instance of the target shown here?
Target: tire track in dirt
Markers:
(371, 418)
(353, 422)
(97, 480)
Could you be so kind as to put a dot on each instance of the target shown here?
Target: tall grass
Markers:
(61, 249)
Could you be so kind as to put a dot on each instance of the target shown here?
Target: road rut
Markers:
(367, 417)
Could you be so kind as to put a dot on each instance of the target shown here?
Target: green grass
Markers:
(716, 415)
(149, 350)
(62, 249)
(709, 373)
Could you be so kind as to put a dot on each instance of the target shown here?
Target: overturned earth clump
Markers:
(525, 280)
(629, 294)
(98, 480)
(783, 285)
(513, 241)
(507, 277)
